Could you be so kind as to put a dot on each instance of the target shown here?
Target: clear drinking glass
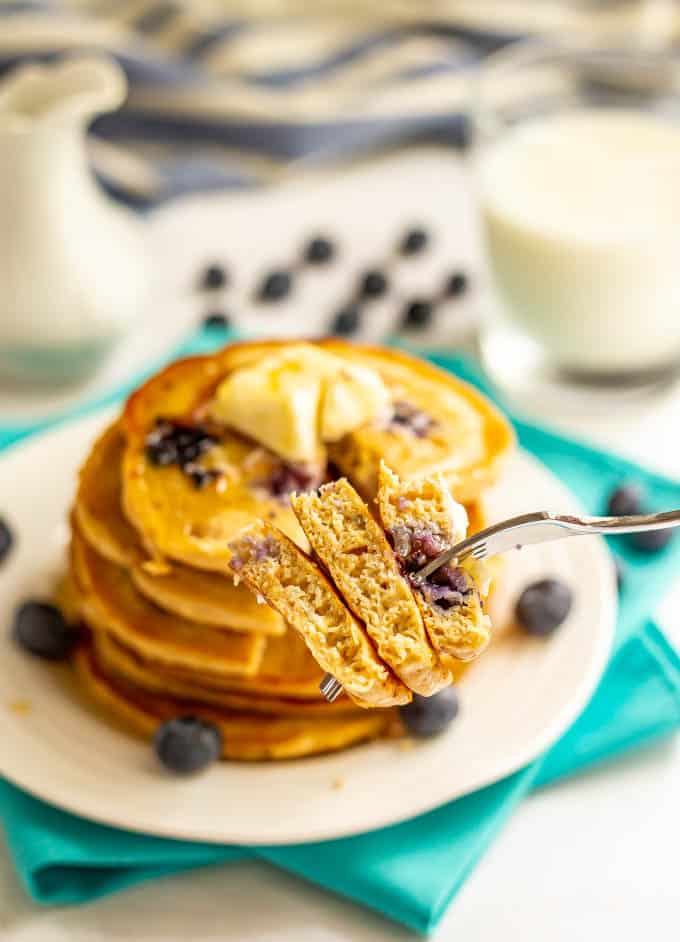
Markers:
(576, 158)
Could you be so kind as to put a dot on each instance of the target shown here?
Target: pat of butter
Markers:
(294, 401)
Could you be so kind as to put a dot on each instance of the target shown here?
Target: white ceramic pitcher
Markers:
(73, 272)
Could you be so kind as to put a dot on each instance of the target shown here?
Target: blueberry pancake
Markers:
(353, 548)
(245, 736)
(215, 442)
(210, 598)
(110, 602)
(437, 424)
(190, 485)
(274, 567)
(421, 520)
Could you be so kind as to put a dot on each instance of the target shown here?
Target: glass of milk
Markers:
(577, 162)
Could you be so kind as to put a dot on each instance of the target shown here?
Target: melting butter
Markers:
(296, 400)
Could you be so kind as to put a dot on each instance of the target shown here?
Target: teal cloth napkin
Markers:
(411, 871)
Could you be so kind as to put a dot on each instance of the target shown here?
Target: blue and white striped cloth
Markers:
(233, 92)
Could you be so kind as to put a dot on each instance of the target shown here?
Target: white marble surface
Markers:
(592, 858)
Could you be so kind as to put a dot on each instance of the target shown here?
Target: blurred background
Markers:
(226, 137)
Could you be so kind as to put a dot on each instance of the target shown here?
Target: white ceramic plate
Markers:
(515, 702)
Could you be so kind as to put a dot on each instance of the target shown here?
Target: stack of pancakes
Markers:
(168, 632)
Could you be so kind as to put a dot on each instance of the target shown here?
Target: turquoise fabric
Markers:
(412, 871)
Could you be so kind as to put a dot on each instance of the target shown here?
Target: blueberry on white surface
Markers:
(319, 250)
(276, 286)
(373, 284)
(543, 606)
(414, 241)
(417, 314)
(625, 501)
(214, 277)
(217, 320)
(429, 716)
(347, 321)
(456, 285)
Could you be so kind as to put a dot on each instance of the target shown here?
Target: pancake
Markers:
(353, 548)
(199, 596)
(245, 736)
(439, 423)
(421, 520)
(110, 602)
(174, 518)
(287, 670)
(271, 564)
(118, 661)
(436, 422)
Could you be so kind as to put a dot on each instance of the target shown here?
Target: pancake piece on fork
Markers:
(353, 548)
(275, 568)
(422, 520)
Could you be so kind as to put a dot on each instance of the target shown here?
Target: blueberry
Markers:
(414, 241)
(625, 501)
(187, 744)
(213, 278)
(418, 313)
(373, 284)
(456, 285)
(319, 250)
(217, 321)
(41, 629)
(347, 321)
(543, 606)
(429, 716)
(276, 286)
(6, 539)
(652, 541)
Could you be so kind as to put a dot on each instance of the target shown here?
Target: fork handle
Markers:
(635, 524)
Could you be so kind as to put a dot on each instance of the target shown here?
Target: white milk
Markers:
(582, 219)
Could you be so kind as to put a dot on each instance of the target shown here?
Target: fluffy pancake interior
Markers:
(422, 520)
(275, 567)
(354, 550)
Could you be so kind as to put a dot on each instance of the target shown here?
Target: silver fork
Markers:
(526, 530)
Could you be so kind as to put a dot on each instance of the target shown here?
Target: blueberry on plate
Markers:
(217, 321)
(187, 744)
(6, 539)
(214, 277)
(347, 321)
(275, 286)
(414, 241)
(417, 314)
(543, 606)
(625, 501)
(456, 285)
(373, 284)
(41, 629)
(652, 541)
(319, 250)
(429, 716)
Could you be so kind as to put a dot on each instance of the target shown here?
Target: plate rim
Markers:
(115, 817)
